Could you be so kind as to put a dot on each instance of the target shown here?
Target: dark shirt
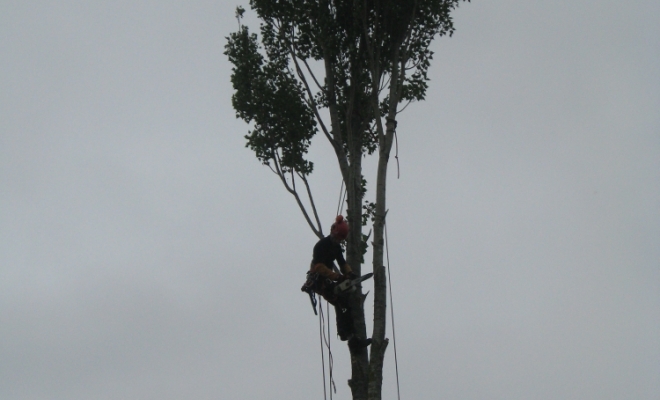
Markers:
(326, 251)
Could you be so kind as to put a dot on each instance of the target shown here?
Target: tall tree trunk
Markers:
(359, 357)
(380, 343)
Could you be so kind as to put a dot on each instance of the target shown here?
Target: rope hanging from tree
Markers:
(322, 353)
(389, 279)
(325, 340)
(342, 198)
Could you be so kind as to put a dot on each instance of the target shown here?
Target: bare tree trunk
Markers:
(380, 343)
(359, 357)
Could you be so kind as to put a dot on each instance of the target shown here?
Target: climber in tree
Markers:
(323, 276)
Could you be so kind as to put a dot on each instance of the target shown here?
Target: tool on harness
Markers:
(308, 287)
(312, 298)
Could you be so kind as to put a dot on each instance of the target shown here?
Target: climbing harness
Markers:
(317, 284)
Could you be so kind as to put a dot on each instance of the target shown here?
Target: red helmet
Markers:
(340, 228)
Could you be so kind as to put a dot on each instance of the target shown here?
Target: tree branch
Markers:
(375, 72)
(337, 143)
(311, 73)
(293, 191)
(311, 101)
(311, 201)
(404, 107)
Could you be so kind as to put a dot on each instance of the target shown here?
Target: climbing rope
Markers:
(322, 336)
(342, 198)
(396, 156)
(389, 278)
(326, 341)
(322, 353)
(330, 359)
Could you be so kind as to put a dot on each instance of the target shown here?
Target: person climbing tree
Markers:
(346, 69)
(323, 277)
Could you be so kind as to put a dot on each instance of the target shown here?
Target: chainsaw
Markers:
(343, 288)
(350, 285)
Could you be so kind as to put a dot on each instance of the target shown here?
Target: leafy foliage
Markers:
(359, 41)
(374, 54)
(268, 95)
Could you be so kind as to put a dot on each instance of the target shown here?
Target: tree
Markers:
(375, 56)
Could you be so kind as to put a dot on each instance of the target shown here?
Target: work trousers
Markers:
(343, 311)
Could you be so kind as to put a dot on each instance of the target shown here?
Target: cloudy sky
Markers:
(146, 254)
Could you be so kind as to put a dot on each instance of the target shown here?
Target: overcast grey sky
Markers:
(146, 254)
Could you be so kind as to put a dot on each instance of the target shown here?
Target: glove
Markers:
(325, 272)
(351, 275)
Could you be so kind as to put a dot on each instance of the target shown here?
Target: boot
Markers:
(344, 323)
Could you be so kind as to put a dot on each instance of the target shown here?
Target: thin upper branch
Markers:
(311, 200)
(404, 107)
(337, 143)
(311, 101)
(374, 54)
(292, 190)
(311, 73)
